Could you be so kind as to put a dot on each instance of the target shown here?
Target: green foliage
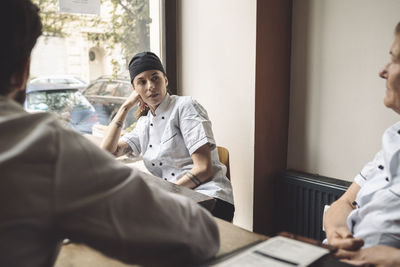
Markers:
(128, 25)
(131, 29)
(58, 24)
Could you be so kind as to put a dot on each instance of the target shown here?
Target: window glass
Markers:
(110, 88)
(80, 102)
(62, 81)
(94, 89)
(74, 82)
(80, 80)
(57, 101)
(90, 48)
(37, 101)
(72, 108)
(40, 81)
(124, 89)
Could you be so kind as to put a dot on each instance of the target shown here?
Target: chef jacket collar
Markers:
(163, 107)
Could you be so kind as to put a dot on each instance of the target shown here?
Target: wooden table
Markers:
(203, 200)
(232, 238)
(137, 163)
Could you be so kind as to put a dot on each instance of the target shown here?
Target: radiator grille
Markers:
(301, 200)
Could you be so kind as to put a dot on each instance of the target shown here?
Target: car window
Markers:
(80, 102)
(55, 101)
(37, 101)
(124, 90)
(94, 89)
(110, 89)
(58, 101)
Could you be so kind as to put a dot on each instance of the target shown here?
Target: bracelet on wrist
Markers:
(193, 178)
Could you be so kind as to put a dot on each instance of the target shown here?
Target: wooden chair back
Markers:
(223, 155)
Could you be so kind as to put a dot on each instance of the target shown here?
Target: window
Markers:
(124, 89)
(110, 88)
(94, 88)
(62, 81)
(92, 47)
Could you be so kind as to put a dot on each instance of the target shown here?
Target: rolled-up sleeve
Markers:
(195, 126)
(106, 205)
(369, 170)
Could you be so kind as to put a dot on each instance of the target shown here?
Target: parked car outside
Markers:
(65, 101)
(107, 95)
(61, 79)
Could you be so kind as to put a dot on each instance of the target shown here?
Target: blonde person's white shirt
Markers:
(55, 184)
(376, 218)
(168, 138)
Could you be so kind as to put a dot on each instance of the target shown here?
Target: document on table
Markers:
(277, 252)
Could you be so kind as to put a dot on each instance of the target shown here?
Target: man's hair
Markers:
(20, 26)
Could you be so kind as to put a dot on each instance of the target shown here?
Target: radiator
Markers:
(301, 199)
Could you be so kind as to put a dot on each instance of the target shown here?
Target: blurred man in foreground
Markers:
(55, 184)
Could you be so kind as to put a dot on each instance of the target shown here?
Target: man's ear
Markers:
(20, 77)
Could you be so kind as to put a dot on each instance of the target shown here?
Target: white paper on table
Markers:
(80, 6)
(277, 252)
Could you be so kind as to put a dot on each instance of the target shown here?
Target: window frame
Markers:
(169, 51)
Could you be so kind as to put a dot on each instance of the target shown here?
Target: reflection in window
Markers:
(91, 46)
(94, 89)
(124, 89)
(57, 101)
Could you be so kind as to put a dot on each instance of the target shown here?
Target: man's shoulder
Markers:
(33, 126)
(23, 119)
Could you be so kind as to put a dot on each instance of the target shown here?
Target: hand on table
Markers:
(342, 238)
(379, 256)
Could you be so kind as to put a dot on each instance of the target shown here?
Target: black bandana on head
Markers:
(144, 61)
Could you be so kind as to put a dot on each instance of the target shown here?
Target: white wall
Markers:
(337, 115)
(216, 55)
(48, 57)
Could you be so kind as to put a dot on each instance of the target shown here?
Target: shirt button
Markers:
(164, 118)
(165, 179)
(380, 167)
(150, 146)
(153, 164)
(173, 174)
(387, 179)
(151, 124)
(160, 163)
(398, 131)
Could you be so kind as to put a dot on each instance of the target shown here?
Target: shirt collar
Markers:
(163, 107)
(11, 104)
